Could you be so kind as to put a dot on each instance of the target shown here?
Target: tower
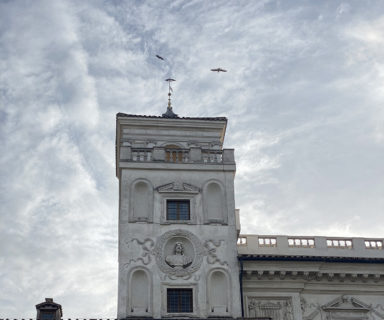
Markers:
(177, 224)
(49, 310)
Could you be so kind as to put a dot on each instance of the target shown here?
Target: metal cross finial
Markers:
(169, 113)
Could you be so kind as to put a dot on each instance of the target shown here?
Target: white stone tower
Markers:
(177, 224)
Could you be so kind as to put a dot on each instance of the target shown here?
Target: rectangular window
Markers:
(178, 210)
(46, 315)
(179, 300)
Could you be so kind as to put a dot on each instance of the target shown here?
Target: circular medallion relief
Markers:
(178, 253)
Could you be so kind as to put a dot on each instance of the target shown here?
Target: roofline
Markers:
(309, 258)
(126, 115)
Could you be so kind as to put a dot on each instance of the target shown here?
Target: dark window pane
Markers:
(172, 210)
(179, 300)
(184, 210)
(178, 210)
(47, 316)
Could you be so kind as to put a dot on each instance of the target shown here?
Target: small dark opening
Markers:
(179, 300)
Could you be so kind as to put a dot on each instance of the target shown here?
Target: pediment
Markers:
(345, 307)
(178, 187)
(345, 303)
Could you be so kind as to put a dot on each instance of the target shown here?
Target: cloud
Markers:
(303, 95)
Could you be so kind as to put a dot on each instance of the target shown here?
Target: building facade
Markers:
(181, 254)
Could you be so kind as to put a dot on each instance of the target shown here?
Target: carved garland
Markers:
(145, 246)
(198, 253)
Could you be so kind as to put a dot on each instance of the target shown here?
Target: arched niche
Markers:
(139, 296)
(141, 201)
(214, 203)
(219, 292)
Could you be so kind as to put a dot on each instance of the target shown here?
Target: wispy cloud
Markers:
(303, 95)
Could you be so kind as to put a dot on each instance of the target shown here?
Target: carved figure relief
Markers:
(214, 251)
(274, 308)
(178, 260)
(178, 253)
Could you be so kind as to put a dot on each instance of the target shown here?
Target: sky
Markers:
(304, 98)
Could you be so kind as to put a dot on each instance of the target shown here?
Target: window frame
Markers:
(179, 292)
(175, 196)
(164, 299)
(178, 201)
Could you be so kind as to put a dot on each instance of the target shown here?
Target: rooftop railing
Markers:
(177, 155)
(311, 246)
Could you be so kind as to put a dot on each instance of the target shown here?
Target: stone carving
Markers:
(274, 308)
(178, 187)
(379, 306)
(343, 307)
(303, 305)
(175, 259)
(178, 260)
(171, 277)
(139, 250)
(212, 247)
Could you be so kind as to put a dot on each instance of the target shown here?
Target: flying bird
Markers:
(219, 70)
(158, 57)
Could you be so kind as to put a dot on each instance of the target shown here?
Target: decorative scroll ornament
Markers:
(139, 250)
(178, 187)
(178, 253)
(212, 251)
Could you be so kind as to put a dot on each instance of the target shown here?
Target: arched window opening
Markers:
(140, 294)
(142, 201)
(174, 153)
(214, 199)
(218, 293)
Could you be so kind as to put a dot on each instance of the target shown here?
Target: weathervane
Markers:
(169, 113)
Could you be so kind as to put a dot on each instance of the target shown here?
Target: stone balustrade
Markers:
(311, 246)
(141, 155)
(192, 155)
